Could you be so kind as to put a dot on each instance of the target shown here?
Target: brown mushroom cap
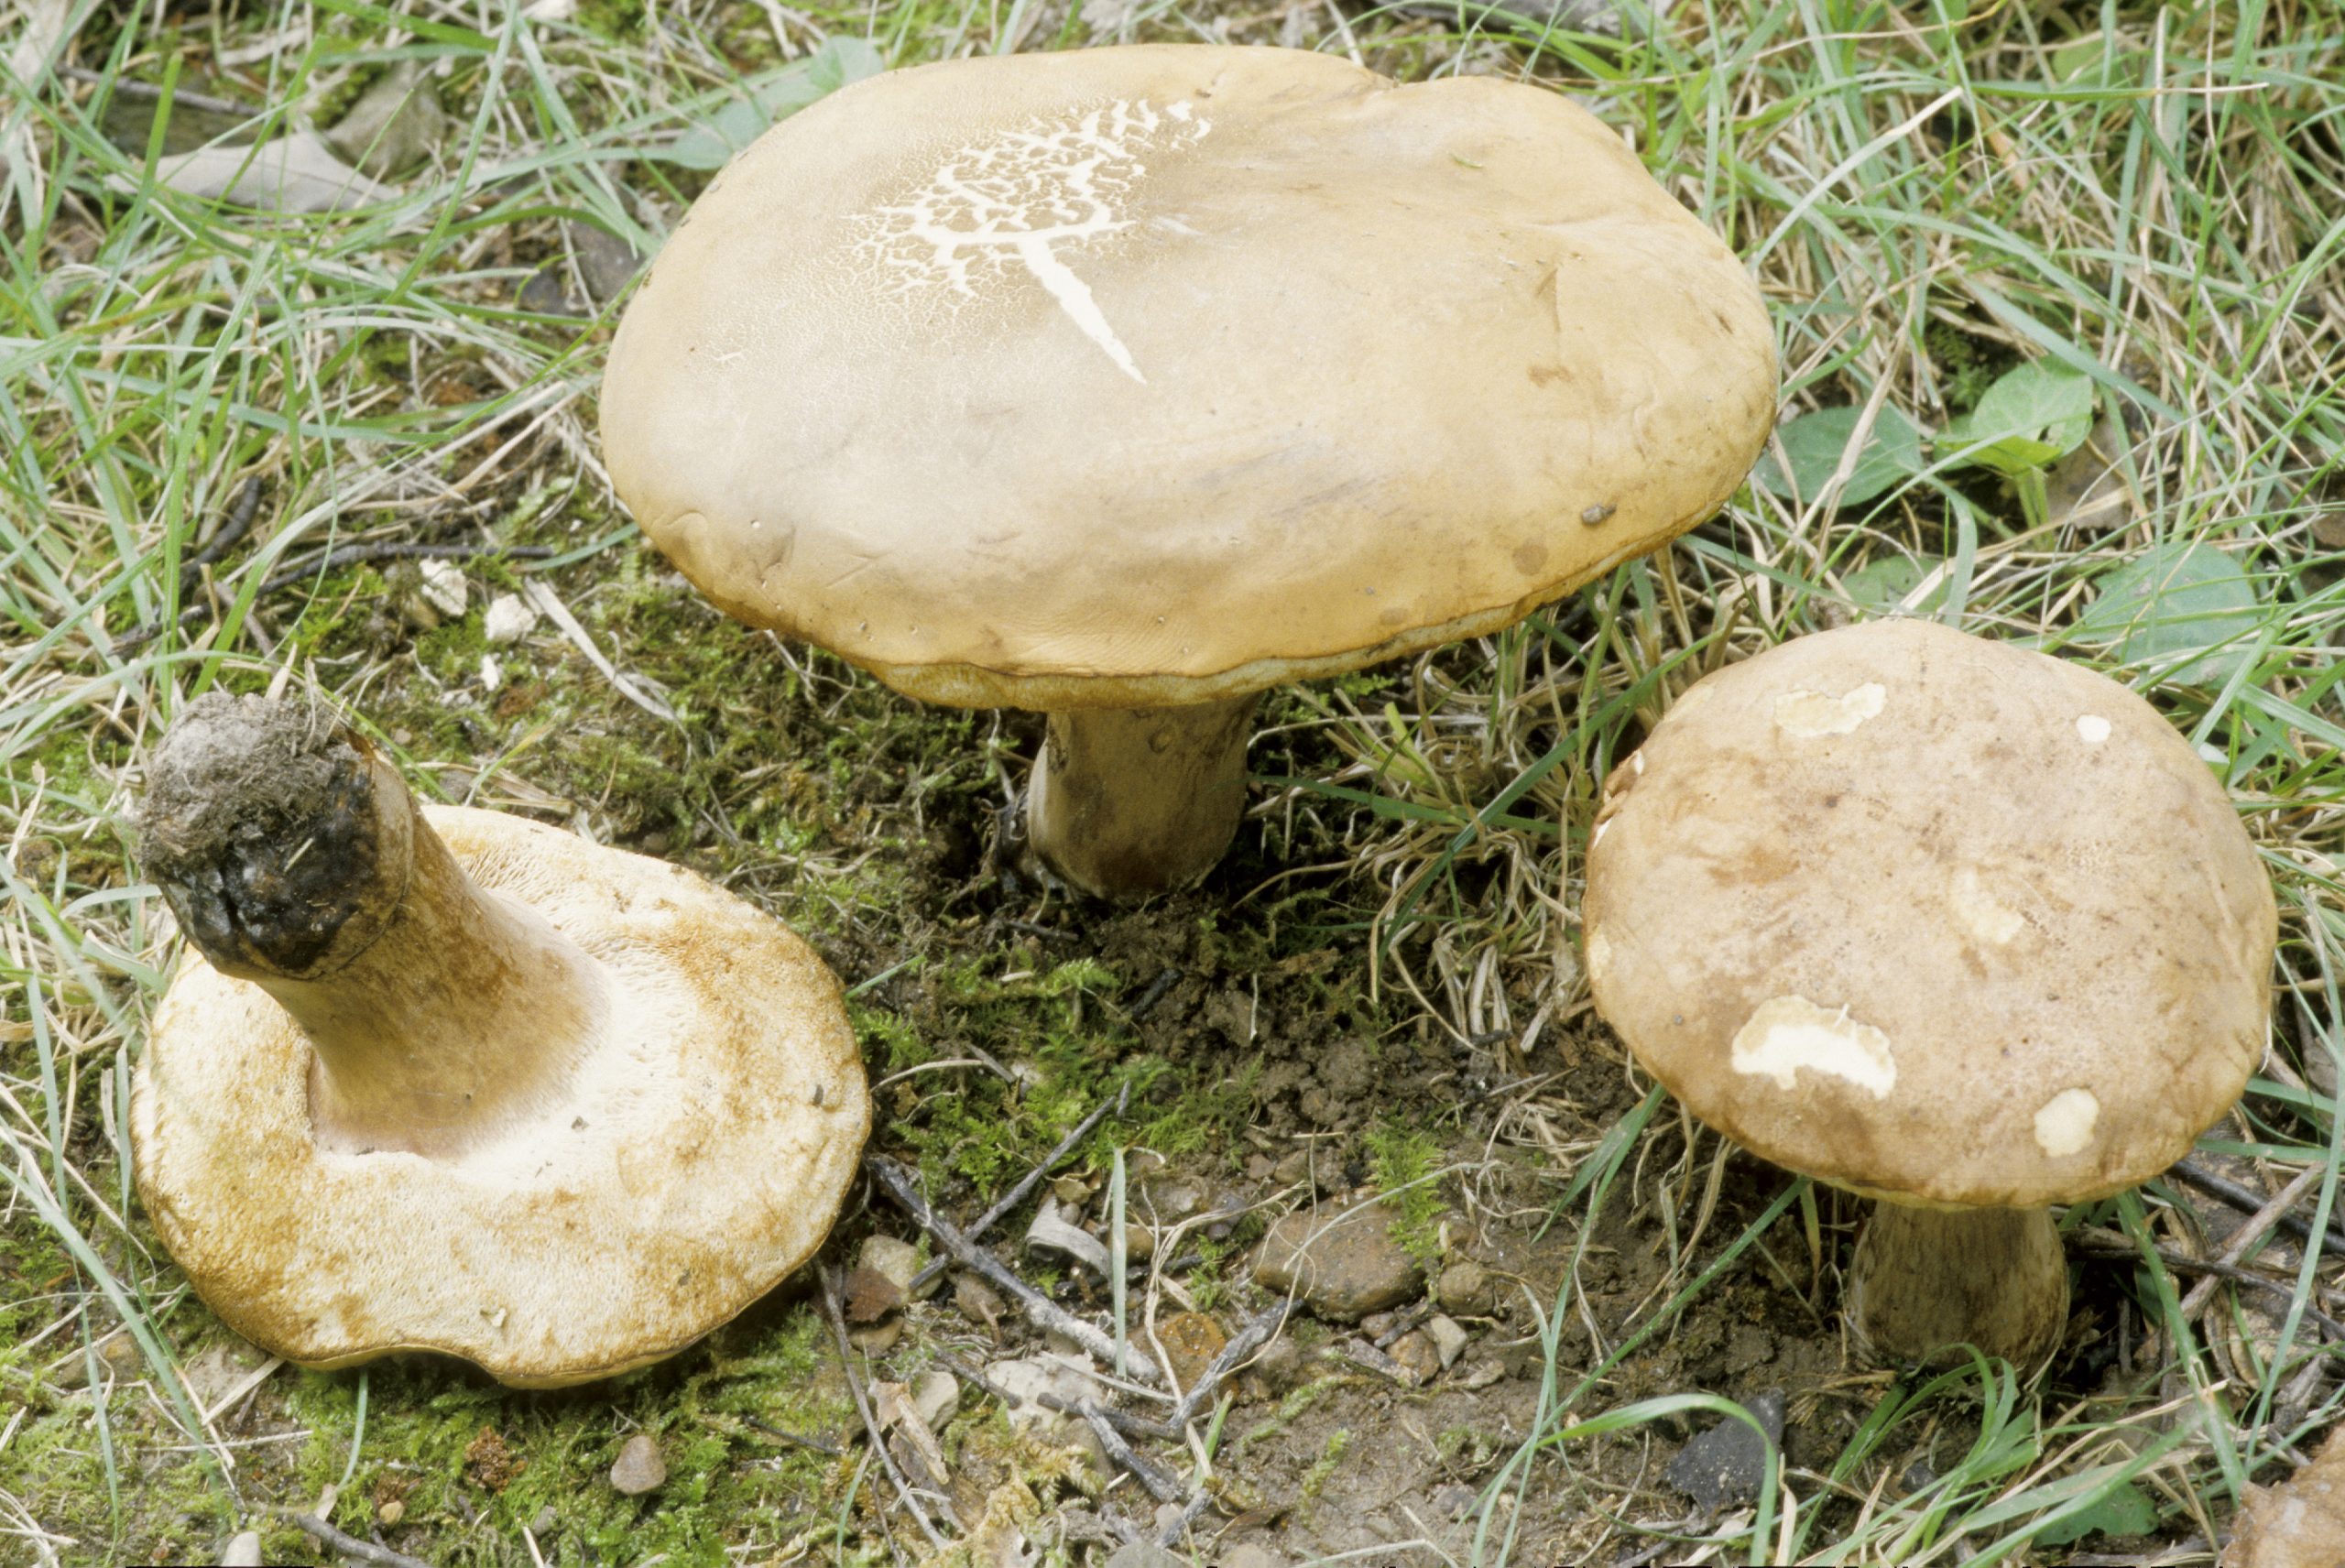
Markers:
(2299, 1523)
(1934, 918)
(694, 1158)
(1157, 374)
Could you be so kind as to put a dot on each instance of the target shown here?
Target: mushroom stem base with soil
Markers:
(298, 860)
(1927, 1279)
(1133, 801)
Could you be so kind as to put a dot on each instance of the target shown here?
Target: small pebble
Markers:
(1448, 1338)
(980, 1302)
(936, 1397)
(1246, 1555)
(869, 1295)
(1464, 1287)
(1279, 1366)
(896, 1260)
(443, 587)
(877, 1339)
(1725, 1466)
(639, 1468)
(1343, 1263)
(1145, 1554)
(1415, 1353)
(1174, 1201)
(390, 1513)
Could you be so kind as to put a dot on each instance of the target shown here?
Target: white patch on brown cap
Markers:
(2065, 1123)
(1810, 714)
(2094, 728)
(1791, 1032)
(1982, 914)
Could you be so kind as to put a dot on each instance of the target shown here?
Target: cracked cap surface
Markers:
(1161, 374)
(1932, 917)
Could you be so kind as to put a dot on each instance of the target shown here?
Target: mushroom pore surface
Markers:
(440, 1079)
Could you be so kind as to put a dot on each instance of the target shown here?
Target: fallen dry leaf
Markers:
(295, 173)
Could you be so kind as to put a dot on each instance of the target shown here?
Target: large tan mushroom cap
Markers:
(1159, 375)
(1934, 918)
(697, 1156)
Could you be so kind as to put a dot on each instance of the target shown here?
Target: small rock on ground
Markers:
(1464, 1287)
(936, 1395)
(1190, 1342)
(871, 1295)
(1448, 1338)
(1246, 1555)
(895, 1260)
(1344, 1265)
(1725, 1464)
(1140, 1555)
(1415, 1353)
(639, 1468)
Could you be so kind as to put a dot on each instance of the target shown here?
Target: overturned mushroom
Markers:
(1121, 384)
(1955, 925)
(446, 1080)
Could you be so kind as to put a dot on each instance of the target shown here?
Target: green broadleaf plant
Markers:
(2174, 600)
(769, 97)
(1815, 443)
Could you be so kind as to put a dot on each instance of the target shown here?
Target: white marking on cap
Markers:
(1809, 713)
(1791, 1032)
(2064, 1126)
(2094, 728)
(1981, 912)
(1013, 201)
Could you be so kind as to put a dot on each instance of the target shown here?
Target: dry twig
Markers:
(1043, 1313)
(863, 1408)
(325, 1534)
(1031, 1180)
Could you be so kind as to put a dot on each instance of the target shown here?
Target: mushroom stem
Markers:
(295, 858)
(1928, 1279)
(1140, 800)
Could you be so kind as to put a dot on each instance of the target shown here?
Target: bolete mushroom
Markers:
(1959, 926)
(2300, 1523)
(1121, 384)
(443, 1079)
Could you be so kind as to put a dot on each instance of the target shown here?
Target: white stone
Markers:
(443, 587)
(509, 620)
(936, 1397)
(1448, 1339)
